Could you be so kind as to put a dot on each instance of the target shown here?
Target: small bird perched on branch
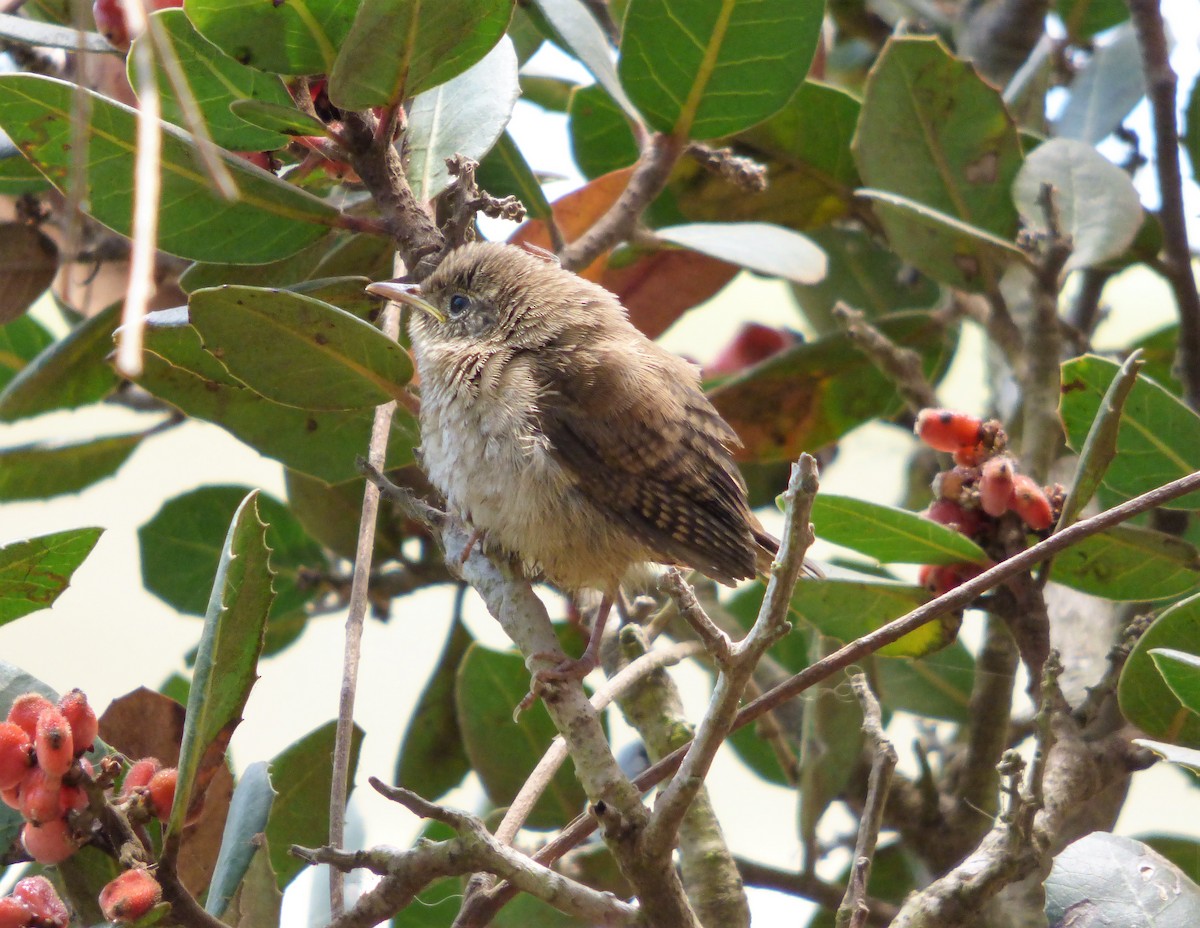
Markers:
(567, 437)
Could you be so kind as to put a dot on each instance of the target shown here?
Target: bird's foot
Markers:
(572, 668)
(469, 547)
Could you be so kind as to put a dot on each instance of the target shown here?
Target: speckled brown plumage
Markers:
(556, 427)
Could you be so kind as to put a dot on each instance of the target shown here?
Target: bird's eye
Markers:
(459, 304)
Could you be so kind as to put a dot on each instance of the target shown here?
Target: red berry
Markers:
(971, 456)
(41, 797)
(948, 512)
(162, 791)
(942, 578)
(15, 755)
(111, 23)
(82, 719)
(130, 896)
(72, 799)
(946, 430)
(39, 895)
(1029, 501)
(11, 797)
(139, 774)
(753, 343)
(51, 843)
(25, 712)
(14, 913)
(996, 486)
(54, 744)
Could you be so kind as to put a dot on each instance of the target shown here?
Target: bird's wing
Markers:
(658, 464)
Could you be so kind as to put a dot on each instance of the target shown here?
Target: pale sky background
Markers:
(108, 637)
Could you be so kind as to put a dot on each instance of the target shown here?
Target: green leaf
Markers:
(1173, 753)
(258, 900)
(432, 758)
(938, 686)
(28, 264)
(20, 342)
(601, 138)
(891, 535)
(1181, 671)
(28, 31)
(831, 744)
(269, 218)
(503, 752)
(1158, 350)
(812, 394)
(1145, 698)
(297, 37)
(1159, 437)
(248, 813)
(320, 444)
(399, 48)
(181, 549)
(1082, 19)
(302, 775)
(1184, 853)
(759, 246)
(505, 172)
(464, 116)
(934, 132)
(40, 471)
(1105, 90)
(580, 33)
(707, 68)
(1100, 446)
(1130, 564)
(1191, 135)
(215, 81)
(70, 373)
(227, 660)
(1097, 205)
(298, 351)
(34, 573)
(278, 118)
(848, 609)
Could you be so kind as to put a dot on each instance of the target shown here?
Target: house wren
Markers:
(566, 436)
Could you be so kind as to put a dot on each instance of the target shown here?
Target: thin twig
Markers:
(900, 365)
(1161, 85)
(716, 642)
(340, 788)
(744, 173)
(853, 911)
(810, 886)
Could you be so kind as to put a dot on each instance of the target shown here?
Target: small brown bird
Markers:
(566, 436)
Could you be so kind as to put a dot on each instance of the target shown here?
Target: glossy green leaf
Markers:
(934, 132)
(1145, 698)
(278, 118)
(227, 660)
(39, 471)
(581, 34)
(1191, 135)
(503, 752)
(1097, 204)
(1129, 564)
(181, 548)
(17, 175)
(938, 686)
(810, 395)
(464, 116)
(70, 373)
(505, 172)
(28, 265)
(1100, 446)
(1158, 350)
(331, 514)
(1183, 852)
(34, 573)
(849, 609)
(708, 68)
(1123, 881)
(215, 81)
(601, 137)
(550, 93)
(297, 37)
(248, 813)
(320, 444)
(758, 246)
(302, 776)
(1159, 438)
(20, 342)
(269, 219)
(1082, 19)
(299, 351)
(433, 759)
(1105, 90)
(1181, 671)
(399, 48)
(891, 535)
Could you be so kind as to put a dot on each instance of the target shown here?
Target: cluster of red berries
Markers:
(983, 485)
(33, 904)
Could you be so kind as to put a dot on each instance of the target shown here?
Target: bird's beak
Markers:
(399, 292)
